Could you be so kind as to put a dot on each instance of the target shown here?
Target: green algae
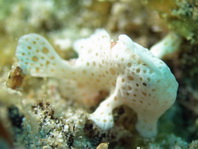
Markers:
(181, 16)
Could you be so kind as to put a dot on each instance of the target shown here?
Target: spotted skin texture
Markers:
(37, 57)
(129, 72)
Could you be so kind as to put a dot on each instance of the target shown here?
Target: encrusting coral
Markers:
(129, 72)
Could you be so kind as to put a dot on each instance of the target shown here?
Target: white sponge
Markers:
(167, 47)
(129, 72)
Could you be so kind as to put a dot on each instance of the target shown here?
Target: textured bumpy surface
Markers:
(129, 72)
